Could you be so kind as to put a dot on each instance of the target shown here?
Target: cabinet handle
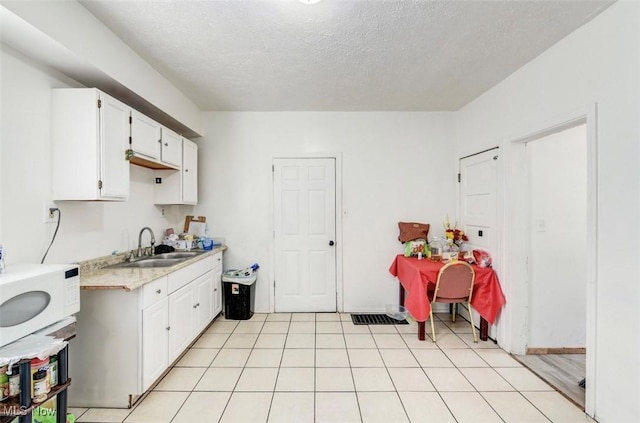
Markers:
(168, 327)
(158, 291)
(219, 259)
(166, 144)
(186, 170)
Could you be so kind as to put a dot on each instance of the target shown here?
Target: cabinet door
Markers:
(202, 288)
(155, 336)
(181, 324)
(189, 172)
(114, 142)
(217, 291)
(171, 147)
(145, 135)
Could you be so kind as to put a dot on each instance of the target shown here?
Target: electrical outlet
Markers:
(47, 216)
(162, 210)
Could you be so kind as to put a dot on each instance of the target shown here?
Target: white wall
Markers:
(599, 63)
(395, 167)
(69, 29)
(88, 229)
(558, 257)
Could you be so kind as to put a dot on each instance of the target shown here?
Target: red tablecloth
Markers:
(415, 275)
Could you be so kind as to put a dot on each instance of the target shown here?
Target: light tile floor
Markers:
(306, 367)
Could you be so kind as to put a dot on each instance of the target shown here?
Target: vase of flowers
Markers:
(457, 241)
(453, 234)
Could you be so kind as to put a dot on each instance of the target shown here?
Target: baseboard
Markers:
(538, 351)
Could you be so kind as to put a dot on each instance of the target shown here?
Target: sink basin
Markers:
(159, 260)
(178, 254)
(150, 262)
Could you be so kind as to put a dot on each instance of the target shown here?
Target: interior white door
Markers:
(478, 208)
(304, 234)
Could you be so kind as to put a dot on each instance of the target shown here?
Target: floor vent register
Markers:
(376, 319)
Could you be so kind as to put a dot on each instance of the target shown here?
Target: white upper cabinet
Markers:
(153, 145)
(190, 172)
(145, 136)
(171, 148)
(179, 186)
(90, 138)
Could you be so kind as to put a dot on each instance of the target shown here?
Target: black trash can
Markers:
(239, 296)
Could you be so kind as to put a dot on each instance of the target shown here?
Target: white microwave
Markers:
(34, 296)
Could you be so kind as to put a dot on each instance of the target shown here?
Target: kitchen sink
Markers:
(158, 260)
(149, 262)
(178, 254)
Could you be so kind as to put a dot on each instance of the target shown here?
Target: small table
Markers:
(415, 276)
(53, 339)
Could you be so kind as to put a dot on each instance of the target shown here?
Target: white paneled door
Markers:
(478, 207)
(305, 234)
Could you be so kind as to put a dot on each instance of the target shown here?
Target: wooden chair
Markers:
(454, 285)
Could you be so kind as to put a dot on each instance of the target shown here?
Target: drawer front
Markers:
(217, 259)
(181, 277)
(154, 292)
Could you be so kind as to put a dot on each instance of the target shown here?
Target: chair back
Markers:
(455, 282)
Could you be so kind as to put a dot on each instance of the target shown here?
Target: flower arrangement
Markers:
(453, 234)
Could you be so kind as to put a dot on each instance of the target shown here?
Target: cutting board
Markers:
(197, 228)
(189, 220)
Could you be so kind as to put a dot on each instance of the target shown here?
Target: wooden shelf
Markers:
(141, 161)
(16, 408)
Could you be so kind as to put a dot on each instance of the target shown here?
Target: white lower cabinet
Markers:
(181, 317)
(203, 310)
(155, 336)
(217, 284)
(126, 340)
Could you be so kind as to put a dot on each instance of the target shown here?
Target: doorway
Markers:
(557, 259)
(305, 234)
(518, 227)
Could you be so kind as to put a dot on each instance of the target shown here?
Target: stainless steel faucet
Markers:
(153, 241)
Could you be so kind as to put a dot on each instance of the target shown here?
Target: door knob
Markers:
(331, 243)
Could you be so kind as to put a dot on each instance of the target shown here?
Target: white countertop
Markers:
(128, 278)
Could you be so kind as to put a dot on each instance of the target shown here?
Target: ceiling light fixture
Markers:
(309, 1)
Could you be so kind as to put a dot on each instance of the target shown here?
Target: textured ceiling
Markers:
(340, 55)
